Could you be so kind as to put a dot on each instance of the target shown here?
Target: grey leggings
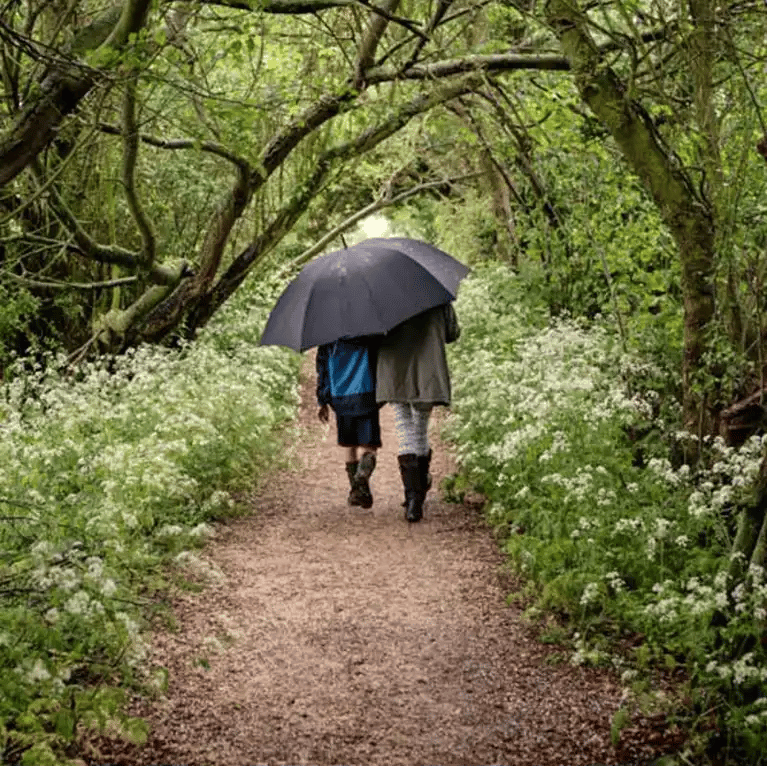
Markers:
(411, 422)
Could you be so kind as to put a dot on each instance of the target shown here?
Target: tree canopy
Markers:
(154, 155)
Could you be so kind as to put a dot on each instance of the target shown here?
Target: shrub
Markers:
(106, 477)
(555, 424)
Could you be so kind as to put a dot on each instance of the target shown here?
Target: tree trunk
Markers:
(61, 92)
(688, 216)
(750, 544)
(506, 238)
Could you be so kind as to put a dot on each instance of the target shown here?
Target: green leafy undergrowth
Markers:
(108, 475)
(555, 424)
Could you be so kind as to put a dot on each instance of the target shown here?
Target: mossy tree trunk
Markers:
(686, 213)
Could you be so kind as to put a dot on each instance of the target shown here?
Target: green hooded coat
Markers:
(412, 365)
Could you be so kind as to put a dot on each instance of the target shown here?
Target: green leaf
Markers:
(620, 719)
(40, 754)
(64, 722)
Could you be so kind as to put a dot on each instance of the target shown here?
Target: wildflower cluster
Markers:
(106, 476)
(614, 535)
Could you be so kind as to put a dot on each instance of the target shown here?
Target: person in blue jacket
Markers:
(346, 382)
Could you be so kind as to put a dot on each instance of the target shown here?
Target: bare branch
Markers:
(70, 285)
(130, 156)
(437, 16)
(369, 43)
(494, 62)
(79, 354)
(384, 13)
(175, 144)
(383, 202)
(108, 254)
(298, 7)
(281, 6)
(283, 143)
(47, 182)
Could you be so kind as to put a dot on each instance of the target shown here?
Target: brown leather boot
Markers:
(366, 467)
(356, 497)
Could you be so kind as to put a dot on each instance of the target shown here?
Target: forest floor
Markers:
(346, 636)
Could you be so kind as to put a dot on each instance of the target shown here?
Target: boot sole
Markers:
(362, 500)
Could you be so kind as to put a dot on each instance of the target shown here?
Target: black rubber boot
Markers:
(366, 467)
(424, 462)
(411, 480)
(356, 496)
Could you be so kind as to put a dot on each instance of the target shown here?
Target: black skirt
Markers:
(356, 430)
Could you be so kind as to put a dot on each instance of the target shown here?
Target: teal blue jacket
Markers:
(346, 376)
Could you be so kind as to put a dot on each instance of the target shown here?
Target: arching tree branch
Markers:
(280, 6)
(367, 48)
(495, 62)
(53, 285)
(382, 202)
(130, 155)
(296, 207)
(177, 144)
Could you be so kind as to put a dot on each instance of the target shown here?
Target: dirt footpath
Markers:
(343, 636)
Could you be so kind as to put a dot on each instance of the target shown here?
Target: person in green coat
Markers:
(412, 376)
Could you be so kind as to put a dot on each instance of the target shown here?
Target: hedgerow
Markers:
(628, 550)
(109, 474)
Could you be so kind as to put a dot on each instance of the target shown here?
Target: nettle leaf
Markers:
(64, 723)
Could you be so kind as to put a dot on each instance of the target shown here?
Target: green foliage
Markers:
(108, 479)
(567, 435)
(17, 308)
(620, 719)
(563, 425)
(465, 228)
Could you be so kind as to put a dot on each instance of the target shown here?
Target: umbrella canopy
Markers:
(368, 288)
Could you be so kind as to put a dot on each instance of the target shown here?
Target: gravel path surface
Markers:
(343, 636)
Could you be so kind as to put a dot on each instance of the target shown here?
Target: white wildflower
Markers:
(37, 673)
(616, 582)
(78, 603)
(590, 593)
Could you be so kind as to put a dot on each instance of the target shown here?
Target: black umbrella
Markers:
(368, 288)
